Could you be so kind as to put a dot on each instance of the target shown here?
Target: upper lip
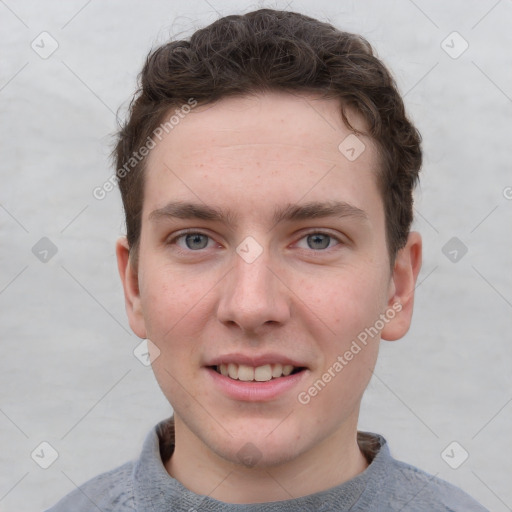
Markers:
(254, 360)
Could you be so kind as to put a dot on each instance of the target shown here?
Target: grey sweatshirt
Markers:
(386, 485)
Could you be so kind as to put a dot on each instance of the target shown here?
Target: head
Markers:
(268, 222)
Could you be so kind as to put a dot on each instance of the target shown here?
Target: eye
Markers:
(318, 241)
(192, 241)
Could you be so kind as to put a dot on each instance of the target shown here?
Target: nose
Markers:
(253, 296)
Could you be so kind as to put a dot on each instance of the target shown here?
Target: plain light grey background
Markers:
(68, 373)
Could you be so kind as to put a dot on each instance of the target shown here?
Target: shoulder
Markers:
(414, 489)
(119, 490)
(392, 485)
(111, 491)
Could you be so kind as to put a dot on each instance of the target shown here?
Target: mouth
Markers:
(268, 377)
(264, 373)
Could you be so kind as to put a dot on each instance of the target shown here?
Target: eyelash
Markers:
(183, 234)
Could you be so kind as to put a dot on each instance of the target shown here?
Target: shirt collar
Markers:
(156, 490)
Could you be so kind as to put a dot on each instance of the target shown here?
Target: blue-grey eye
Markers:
(318, 241)
(196, 241)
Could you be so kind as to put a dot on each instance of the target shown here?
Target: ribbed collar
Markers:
(156, 490)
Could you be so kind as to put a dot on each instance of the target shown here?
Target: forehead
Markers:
(304, 120)
(262, 148)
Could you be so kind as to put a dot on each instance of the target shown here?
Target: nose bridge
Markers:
(253, 296)
(253, 278)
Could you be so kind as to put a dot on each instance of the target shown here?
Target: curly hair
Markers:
(271, 50)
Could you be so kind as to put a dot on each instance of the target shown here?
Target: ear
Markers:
(403, 282)
(130, 280)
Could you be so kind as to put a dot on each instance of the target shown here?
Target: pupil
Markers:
(318, 241)
(196, 241)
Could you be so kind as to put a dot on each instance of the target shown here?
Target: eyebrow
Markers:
(186, 210)
(291, 212)
(317, 210)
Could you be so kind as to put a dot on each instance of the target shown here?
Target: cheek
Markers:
(172, 308)
(346, 303)
(349, 354)
(170, 300)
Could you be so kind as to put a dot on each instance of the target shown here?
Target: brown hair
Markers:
(267, 50)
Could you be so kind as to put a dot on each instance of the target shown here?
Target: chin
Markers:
(258, 446)
(252, 455)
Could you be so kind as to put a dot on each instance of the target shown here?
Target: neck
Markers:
(331, 462)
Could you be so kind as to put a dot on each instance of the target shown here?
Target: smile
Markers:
(262, 373)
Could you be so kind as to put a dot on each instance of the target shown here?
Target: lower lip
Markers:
(255, 391)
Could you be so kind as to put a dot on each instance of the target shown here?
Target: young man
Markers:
(267, 170)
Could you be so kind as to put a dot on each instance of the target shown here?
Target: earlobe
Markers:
(129, 279)
(405, 273)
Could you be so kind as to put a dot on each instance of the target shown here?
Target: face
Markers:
(263, 252)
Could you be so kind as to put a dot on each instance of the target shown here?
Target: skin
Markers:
(251, 156)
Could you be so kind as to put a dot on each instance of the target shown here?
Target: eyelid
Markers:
(301, 235)
(171, 239)
(319, 231)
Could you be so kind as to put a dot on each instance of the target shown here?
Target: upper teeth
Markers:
(259, 373)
